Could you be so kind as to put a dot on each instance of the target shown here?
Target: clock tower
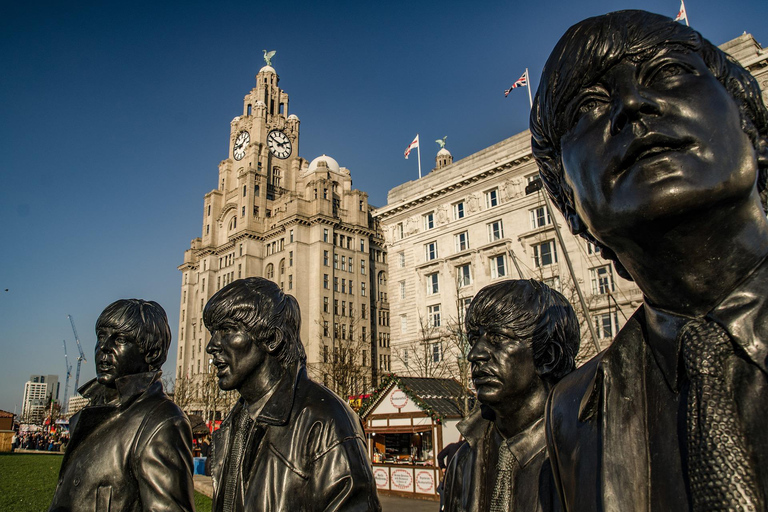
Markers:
(300, 224)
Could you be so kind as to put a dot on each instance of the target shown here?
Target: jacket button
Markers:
(76, 481)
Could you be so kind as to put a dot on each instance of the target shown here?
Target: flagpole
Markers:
(528, 81)
(418, 152)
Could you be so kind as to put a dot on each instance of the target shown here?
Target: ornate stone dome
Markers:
(329, 162)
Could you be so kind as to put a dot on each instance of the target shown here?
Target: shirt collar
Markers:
(742, 313)
(528, 443)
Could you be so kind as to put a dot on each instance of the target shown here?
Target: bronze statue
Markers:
(289, 443)
(524, 337)
(654, 144)
(131, 448)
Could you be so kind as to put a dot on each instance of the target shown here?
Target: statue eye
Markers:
(668, 71)
(586, 104)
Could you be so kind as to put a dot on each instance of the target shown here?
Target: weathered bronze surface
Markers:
(654, 145)
(131, 448)
(289, 443)
(524, 338)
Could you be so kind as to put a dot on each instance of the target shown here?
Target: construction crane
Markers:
(69, 373)
(81, 357)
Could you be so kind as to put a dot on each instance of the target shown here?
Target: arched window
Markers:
(282, 267)
(382, 278)
(270, 271)
(276, 176)
(249, 109)
(233, 223)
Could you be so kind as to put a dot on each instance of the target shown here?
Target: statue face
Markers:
(502, 366)
(117, 355)
(236, 355)
(654, 139)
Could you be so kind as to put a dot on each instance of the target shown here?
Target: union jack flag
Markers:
(682, 14)
(521, 82)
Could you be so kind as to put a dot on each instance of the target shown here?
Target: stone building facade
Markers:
(300, 224)
(470, 223)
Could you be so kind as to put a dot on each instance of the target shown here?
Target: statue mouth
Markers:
(482, 377)
(650, 146)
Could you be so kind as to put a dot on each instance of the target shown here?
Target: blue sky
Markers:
(116, 115)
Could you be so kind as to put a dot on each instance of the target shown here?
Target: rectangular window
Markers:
(325, 235)
(401, 259)
(429, 220)
(362, 289)
(540, 217)
(437, 352)
(343, 285)
(326, 258)
(433, 284)
(402, 289)
(362, 245)
(602, 279)
(544, 254)
(433, 315)
(362, 267)
(498, 266)
(325, 281)
(464, 303)
(462, 241)
(343, 263)
(464, 275)
(405, 357)
(495, 231)
(336, 261)
(325, 304)
(430, 251)
(400, 233)
(606, 324)
(335, 306)
(492, 198)
(592, 248)
(403, 323)
(290, 258)
(290, 282)
(335, 284)
(458, 210)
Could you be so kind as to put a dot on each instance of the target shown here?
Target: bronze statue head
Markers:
(133, 336)
(252, 319)
(519, 330)
(623, 122)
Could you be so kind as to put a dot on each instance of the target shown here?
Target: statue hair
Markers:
(144, 321)
(591, 47)
(535, 312)
(264, 310)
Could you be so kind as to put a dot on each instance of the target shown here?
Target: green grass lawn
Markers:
(27, 483)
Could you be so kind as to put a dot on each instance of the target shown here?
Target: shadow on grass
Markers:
(28, 481)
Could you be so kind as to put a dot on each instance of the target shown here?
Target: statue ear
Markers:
(275, 341)
(151, 357)
(550, 359)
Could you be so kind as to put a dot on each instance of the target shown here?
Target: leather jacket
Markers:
(305, 452)
(130, 451)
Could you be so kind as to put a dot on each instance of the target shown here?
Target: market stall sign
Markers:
(398, 399)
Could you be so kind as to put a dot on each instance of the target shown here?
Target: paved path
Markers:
(388, 503)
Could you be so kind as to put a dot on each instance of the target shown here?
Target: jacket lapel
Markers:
(220, 449)
(620, 380)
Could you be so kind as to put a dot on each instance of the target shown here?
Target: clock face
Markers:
(279, 144)
(241, 142)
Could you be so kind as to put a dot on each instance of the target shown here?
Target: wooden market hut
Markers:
(408, 421)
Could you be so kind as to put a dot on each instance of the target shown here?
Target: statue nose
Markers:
(630, 104)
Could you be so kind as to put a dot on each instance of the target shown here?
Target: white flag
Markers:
(412, 145)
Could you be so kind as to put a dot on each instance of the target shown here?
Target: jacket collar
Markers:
(278, 408)
(127, 389)
(524, 445)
